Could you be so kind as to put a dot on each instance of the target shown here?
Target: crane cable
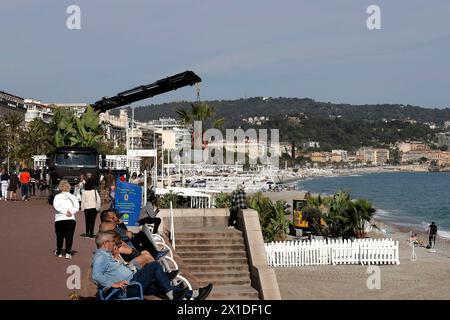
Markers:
(198, 92)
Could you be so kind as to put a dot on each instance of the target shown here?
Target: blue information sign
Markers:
(128, 199)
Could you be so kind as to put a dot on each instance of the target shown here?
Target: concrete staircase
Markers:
(217, 255)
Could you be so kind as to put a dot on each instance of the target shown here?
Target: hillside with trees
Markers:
(233, 111)
(334, 126)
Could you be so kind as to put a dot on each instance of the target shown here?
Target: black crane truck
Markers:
(70, 163)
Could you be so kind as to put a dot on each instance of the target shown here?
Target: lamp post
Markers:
(7, 161)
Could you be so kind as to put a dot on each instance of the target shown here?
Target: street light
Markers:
(7, 161)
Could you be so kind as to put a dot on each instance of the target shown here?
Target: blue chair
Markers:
(111, 293)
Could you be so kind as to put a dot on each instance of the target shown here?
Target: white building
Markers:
(37, 110)
(39, 161)
(310, 144)
(77, 108)
(115, 127)
(375, 156)
(342, 153)
(119, 162)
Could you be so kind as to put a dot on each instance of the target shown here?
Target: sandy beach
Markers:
(426, 278)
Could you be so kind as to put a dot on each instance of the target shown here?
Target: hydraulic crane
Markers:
(70, 162)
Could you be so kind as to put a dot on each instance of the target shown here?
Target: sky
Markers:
(240, 48)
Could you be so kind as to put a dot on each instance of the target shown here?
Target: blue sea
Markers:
(410, 200)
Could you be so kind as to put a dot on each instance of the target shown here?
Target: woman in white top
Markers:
(66, 206)
(91, 204)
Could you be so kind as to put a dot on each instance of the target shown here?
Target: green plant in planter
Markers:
(164, 201)
(223, 200)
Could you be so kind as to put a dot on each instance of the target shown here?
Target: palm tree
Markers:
(274, 223)
(279, 224)
(199, 112)
(338, 216)
(3, 137)
(13, 122)
(38, 137)
(342, 216)
(361, 212)
(315, 216)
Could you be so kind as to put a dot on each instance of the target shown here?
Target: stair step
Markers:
(233, 293)
(213, 276)
(212, 241)
(226, 234)
(208, 247)
(237, 282)
(220, 261)
(218, 268)
(212, 254)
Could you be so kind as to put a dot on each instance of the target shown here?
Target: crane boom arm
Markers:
(187, 78)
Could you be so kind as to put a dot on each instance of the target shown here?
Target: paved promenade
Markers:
(29, 269)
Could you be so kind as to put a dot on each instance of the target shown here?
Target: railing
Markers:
(323, 252)
(172, 227)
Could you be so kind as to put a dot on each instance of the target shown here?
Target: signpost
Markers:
(128, 202)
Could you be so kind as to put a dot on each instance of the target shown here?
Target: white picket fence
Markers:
(323, 252)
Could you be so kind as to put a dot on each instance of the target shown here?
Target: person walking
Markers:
(25, 179)
(432, 232)
(13, 186)
(33, 179)
(238, 203)
(66, 206)
(4, 183)
(91, 204)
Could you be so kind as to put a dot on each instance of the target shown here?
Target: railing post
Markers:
(172, 226)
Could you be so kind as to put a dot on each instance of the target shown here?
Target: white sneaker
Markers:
(58, 255)
(68, 256)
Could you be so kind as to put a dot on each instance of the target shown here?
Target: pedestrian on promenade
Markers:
(238, 203)
(13, 185)
(4, 183)
(91, 204)
(25, 179)
(432, 232)
(109, 180)
(66, 206)
(79, 188)
(33, 180)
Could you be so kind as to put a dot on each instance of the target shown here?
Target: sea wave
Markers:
(389, 217)
(444, 234)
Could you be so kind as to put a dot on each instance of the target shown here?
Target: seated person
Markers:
(128, 251)
(139, 240)
(149, 212)
(137, 263)
(109, 273)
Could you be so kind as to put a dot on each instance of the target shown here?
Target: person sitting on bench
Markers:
(137, 240)
(108, 273)
(149, 212)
